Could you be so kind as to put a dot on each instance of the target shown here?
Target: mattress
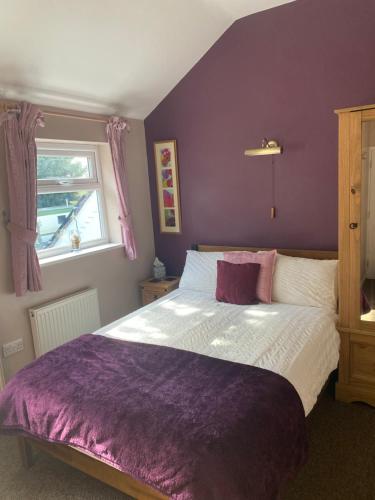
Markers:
(297, 342)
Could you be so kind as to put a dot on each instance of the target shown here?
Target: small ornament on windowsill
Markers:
(75, 237)
(159, 270)
(76, 241)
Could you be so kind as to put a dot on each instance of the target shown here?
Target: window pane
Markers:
(60, 215)
(63, 167)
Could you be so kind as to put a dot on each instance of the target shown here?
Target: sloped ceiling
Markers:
(108, 56)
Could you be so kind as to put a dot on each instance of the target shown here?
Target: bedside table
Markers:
(153, 289)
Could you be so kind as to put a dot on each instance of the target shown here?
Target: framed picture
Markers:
(167, 186)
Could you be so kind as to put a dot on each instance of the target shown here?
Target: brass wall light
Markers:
(269, 147)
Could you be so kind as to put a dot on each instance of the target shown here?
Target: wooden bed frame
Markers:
(101, 470)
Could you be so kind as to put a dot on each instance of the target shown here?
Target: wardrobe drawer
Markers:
(362, 360)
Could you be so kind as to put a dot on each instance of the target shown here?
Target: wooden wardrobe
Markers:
(356, 256)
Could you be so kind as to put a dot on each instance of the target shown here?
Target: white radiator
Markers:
(57, 322)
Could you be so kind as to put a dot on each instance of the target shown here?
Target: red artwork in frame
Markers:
(167, 186)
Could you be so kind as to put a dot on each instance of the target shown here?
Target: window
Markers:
(70, 198)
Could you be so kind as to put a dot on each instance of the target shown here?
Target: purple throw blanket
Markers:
(190, 426)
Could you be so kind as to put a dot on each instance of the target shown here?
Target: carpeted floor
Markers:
(341, 464)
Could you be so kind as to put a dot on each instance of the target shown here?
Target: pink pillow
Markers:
(237, 283)
(267, 264)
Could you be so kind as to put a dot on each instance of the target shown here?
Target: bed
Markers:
(286, 342)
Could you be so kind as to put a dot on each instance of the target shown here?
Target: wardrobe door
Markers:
(350, 137)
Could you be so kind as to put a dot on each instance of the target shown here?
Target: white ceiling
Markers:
(108, 56)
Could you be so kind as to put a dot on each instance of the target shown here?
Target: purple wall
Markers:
(279, 74)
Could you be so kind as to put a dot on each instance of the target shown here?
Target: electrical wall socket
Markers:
(12, 347)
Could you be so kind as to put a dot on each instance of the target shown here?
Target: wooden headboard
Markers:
(308, 254)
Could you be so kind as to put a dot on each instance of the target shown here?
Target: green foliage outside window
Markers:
(61, 167)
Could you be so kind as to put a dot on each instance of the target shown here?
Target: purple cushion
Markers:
(237, 283)
(267, 265)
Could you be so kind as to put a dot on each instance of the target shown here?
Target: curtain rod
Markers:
(65, 114)
(77, 116)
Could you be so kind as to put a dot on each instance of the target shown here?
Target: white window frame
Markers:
(93, 183)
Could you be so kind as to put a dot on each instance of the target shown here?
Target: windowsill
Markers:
(66, 257)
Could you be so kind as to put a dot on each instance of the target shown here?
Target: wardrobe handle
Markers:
(353, 225)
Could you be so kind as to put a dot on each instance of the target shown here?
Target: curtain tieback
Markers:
(124, 220)
(26, 235)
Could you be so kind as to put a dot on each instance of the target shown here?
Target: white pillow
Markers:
(305, 282)
(200, 271)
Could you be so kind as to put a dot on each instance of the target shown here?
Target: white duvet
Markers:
(300, 343)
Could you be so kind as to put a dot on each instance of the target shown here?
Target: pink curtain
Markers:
(21, 170)
(115, 132)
